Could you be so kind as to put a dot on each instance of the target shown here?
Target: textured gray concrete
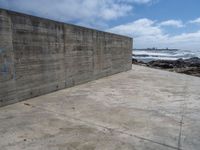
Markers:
(38, 56)
(142, 109)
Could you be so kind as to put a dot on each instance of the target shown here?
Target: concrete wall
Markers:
(39, 56)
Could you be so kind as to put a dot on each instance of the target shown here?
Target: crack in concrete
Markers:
(105, 127)
(180, 133)
(183, 107)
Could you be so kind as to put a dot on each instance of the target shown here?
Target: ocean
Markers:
(147, 55)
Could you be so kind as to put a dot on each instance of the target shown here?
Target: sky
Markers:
(151, 23)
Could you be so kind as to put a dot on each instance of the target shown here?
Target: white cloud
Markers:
(141, 27)
(136, 1)
(86, 12)
(142, 1)
(97, 13)
(115, 11)
(197, 21)
(148, 33)
(173, 23)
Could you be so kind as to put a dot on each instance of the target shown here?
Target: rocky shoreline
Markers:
(188, 66)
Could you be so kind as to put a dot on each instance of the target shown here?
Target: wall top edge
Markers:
(64, 23)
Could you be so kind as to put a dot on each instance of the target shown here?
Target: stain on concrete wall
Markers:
(5, 68)
(1, 50)
(44, 56)
(7, 82)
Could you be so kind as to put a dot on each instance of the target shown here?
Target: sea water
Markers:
(147, 55)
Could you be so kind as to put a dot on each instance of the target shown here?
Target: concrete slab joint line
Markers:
(183, 109)
(40, 56)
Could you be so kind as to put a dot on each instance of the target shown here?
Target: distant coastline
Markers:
(150, 54)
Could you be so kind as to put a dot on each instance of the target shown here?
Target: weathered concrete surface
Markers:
(140, 109)
(39, 56)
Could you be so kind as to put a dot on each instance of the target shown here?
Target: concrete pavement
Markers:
(142, 109)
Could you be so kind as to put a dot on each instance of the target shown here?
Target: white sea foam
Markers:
(148, 55)
(157, 58)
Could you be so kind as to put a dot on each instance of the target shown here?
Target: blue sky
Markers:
(152, 23)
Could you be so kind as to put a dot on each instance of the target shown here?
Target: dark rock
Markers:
(193, 62)
(191, 71)
(134, 61)
(180, 63)
(188, 66)
(161, 64)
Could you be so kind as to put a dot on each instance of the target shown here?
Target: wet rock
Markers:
(134, 61)
(193, 62)
(168, 64)
(188, 66)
